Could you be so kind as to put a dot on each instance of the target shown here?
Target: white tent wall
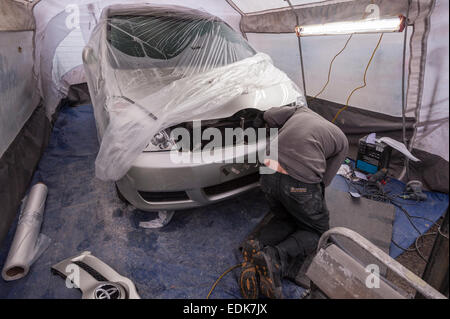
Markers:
(384, 78)
(383, 92)
(270, 29)
(283, 49)
(432, 127)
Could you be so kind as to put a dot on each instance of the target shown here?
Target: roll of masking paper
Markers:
(28, 243)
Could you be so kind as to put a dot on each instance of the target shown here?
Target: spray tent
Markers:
(394, 84)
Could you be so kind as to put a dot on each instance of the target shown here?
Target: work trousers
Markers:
(300, 218)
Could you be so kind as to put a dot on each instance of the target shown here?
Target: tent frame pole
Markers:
(405, 39)
(299, 48)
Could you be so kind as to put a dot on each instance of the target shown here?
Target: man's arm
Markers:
(334, 162)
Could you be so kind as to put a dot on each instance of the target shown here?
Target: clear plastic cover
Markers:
(28, 243)
(151, 67)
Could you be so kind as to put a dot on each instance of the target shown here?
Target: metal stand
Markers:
(420, 285)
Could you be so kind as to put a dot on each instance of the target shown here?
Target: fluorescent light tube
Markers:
(394, 24)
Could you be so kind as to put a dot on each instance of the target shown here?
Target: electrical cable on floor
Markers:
(380, 195)
(404, 249)
(221, 276)
(416, 245)
(362, 86)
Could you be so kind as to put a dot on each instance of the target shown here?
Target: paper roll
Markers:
(28, 243)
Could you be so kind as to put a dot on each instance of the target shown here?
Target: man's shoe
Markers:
(249, 280)
(268, 266)
(250, 248)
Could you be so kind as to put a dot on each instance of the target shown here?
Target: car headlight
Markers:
(161, 141)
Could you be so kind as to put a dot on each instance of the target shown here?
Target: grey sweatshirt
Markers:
(310, 148)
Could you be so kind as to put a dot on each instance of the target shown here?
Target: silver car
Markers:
(155, 182)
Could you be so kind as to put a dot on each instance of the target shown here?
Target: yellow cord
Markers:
(331, 66)
(362, 86)
(334, 58)
(218, 279)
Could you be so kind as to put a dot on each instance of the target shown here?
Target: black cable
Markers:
(372, 191)
(411, 250)
(416, 245)
(404, 249)
(380, 195)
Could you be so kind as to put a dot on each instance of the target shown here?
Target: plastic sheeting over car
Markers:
(63, 28)
(151, 67)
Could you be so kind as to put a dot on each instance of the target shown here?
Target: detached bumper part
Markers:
(94, 278)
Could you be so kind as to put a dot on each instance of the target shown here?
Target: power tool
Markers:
(414, 191)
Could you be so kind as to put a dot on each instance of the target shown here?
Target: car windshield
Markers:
(176, 41)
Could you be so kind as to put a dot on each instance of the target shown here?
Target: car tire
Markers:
(121, 197)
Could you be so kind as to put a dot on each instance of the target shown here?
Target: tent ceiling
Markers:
(251, 6)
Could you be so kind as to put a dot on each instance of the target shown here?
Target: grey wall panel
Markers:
(18, 87)
(18, 164)
(15, 16)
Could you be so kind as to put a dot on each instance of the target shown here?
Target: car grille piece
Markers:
(164, 196)
(246, 118)
(91, 271)
(232, 185)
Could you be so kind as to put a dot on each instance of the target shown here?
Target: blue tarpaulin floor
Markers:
(181, 260)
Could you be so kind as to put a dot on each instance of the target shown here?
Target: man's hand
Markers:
(273, 164)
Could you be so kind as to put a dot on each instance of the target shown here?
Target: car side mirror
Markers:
(88, 55)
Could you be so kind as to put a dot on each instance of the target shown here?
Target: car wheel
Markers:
(121, 197)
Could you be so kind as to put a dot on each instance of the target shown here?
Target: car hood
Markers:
(261, 98)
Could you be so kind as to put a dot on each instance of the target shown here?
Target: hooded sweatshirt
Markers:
(310, 148)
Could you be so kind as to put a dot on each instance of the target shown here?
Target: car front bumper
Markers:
(156, 182)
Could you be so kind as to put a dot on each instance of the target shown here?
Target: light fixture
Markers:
(392, 24)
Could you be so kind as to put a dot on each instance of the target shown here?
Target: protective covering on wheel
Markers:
(150, 67)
